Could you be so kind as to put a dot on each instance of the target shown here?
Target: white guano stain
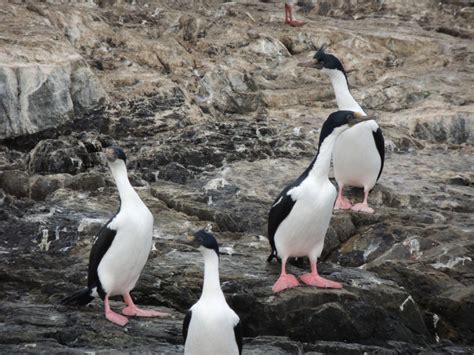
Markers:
(402, 306)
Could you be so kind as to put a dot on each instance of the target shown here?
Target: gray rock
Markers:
(43, 186)
(37, 97)
(15, 182)
(89, 181)
(59, 156)
(229, 91)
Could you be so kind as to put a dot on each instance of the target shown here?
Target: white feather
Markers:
(356, 159)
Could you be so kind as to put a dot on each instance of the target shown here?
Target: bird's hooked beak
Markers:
(191, 240)
(315, 64)
(358, 118)
(111, 154)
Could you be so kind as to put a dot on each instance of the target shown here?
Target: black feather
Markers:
(238, 336)
(186, 321)
(80, 298)
(103, 241)
(330, 61)
(277, 214)
(380, 144)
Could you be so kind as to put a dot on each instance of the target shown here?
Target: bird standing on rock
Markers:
(289, 4)
(359, 152)
(300, 215)
(120, 250)
(211, 326)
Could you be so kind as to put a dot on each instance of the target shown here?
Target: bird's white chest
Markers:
(302, 232)
(211, 330)
(123, 262)
(356, 159)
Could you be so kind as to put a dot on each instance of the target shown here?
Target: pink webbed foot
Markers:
(134, 311)
(289, 17)
(116, 318)
(284, 282)
(295, 23)
(362, 207)
(342, 203)
(312, 279)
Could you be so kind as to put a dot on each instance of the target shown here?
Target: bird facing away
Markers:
(120, 250)
(359, 152)
(211, 326)
(300, 215)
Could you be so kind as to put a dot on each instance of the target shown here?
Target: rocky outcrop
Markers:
(37, 97)
(229, 91)
(44, 82)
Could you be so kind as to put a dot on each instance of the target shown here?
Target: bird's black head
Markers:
(204, 239)
(115, 153)
(340, 120)
(322, 60)
(328, 61)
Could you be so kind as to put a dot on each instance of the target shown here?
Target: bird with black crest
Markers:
(359, 152)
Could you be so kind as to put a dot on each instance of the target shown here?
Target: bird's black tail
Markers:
(272, 256)
(79, 298)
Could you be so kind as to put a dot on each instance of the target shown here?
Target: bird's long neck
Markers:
(344, 99)
(126, 191)
(212, 285)
(320, 169)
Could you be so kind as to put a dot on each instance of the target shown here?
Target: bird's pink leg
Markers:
(133, 311)
(342, 203)
(313, 279)
(285, 280)
(112, 316)
(363, 206)
(289, 18)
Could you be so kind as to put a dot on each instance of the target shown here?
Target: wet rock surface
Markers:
(216, 118)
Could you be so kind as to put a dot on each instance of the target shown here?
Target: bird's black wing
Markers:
(280, 209)
(186, 321)
(238, 336)
(380, 144)
(103, 240)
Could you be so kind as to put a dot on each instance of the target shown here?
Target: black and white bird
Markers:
(210, 325)
(300, 215)
(359, 152)
(120, 250)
